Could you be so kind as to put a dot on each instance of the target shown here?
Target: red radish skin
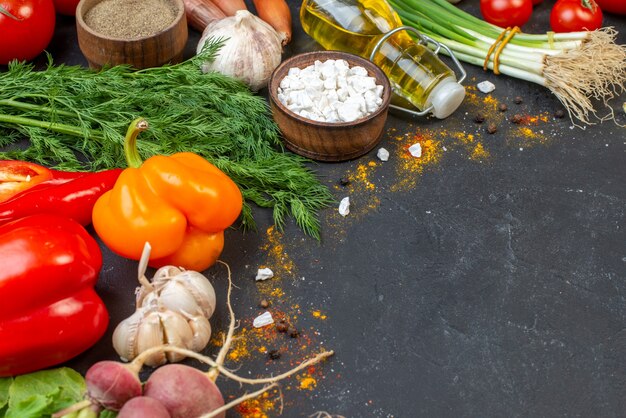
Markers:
(185, 392)
(143, 407)
(111, 384)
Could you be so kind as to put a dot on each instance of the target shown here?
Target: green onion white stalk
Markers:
(580, 68)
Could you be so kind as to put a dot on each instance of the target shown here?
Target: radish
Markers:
(111, 384)
(143, 407)
(185, 391)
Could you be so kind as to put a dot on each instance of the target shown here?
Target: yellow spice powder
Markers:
(479, 152)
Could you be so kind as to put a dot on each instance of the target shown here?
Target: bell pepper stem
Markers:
(133, 159)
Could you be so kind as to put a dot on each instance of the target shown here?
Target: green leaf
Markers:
(5, 384)
(40, 394)
(107, 414)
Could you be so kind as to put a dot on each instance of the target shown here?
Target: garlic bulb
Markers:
(251, 51)
(174, 309)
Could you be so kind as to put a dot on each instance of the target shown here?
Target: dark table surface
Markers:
(486, 279)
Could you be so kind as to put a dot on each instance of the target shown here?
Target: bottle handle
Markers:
(424, 40)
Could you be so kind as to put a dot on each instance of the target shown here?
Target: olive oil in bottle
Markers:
(416, 74)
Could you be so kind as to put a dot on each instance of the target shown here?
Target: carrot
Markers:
(202, 12)
(277, 14)
(230, 7)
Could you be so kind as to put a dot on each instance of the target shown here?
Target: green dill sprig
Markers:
(75, 118)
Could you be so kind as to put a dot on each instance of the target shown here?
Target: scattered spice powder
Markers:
(479, 153)
(278, 259)
(130, 19)
(408, 165)
(308, 383)
(319, 315)
(260, 406)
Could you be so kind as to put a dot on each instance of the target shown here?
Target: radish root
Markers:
(324, 414)
(238, 401)
(208, 360)
(221, 356)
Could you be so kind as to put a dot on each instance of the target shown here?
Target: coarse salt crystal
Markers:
(416, 150)
(383, 154)
(331, 91)
(263, 320)
(264, 274)
(486, 86)
(344, 206)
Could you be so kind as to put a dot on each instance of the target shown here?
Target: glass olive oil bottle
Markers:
(416, 74)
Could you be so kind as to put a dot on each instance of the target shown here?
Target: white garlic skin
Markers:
(174, 310)
(187, 291)
(251, 51)
(125, 336)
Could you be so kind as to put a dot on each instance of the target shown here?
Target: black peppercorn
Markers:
(274, 354)
(517, 119)
(282, 326)
(559, 114)
(479, 118)
(492, 128)
(517, 100)
(264, 304)
(293, 333)
(344, 181)
(503, 107)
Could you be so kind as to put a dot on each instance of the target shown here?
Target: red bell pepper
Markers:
(49, 310)
(27, 189)
(18, 176)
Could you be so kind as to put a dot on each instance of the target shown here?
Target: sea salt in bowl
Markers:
(323, 140)
(153, 37)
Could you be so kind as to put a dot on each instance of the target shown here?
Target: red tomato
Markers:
(505, 13)
(613, 6)
(28, 32)
(536, 2)
(66, 7)
(575, 15)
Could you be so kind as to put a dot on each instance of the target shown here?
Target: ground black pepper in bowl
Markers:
(130, 19)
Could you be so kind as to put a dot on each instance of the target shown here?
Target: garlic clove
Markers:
(177, 332)
(151, 334)
(201, 329)
(150, 301)
(176, 297)
(201, 289)
(125, 336)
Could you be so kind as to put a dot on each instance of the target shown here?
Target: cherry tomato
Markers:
(505, 13)
(575, 15)
(536, 2)
(66, 7)
(613, 6)
(28, 31)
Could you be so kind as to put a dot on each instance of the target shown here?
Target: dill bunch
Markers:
(76, 118)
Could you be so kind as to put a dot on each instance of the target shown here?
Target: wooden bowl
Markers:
(327, 141)
(155, 50)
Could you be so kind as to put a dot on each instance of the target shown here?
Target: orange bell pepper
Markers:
(181, 204)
